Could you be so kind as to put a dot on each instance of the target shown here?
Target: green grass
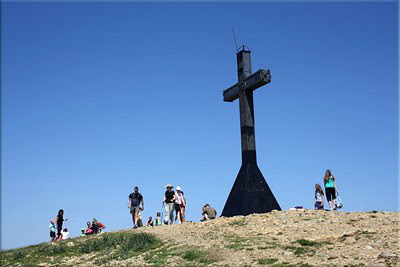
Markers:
(306, 250)
(197, 255)
(267, 260)
(112, 245)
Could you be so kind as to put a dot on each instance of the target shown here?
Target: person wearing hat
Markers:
(169, 200)
(52, 227)
(179, 205)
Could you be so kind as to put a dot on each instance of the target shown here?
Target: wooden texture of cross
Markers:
(247, 83)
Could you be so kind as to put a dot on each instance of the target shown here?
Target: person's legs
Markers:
(171, 212)
(134, 212)
(59, 228)
(182, 214)
(334, 199)
(328, 197)
(178, 213)
(166, 216)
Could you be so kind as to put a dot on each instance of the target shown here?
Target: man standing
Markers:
(169, 200)
(133, 203)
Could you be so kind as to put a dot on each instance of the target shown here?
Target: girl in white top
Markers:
(179, 203)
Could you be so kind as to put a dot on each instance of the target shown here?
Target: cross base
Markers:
(250, 193)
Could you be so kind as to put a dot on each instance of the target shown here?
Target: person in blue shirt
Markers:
(52, 227)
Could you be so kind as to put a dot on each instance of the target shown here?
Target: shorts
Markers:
(318, 205)
(134, 209)
(330, 193)
(52, 234)
(177, 207)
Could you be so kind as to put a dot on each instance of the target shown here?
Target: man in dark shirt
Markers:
(169, 200)
(133, 204)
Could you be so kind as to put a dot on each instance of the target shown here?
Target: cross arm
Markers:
(254, 81)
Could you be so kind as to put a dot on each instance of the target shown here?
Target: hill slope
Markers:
(278, 238)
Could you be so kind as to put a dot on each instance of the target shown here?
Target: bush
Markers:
(305, 242)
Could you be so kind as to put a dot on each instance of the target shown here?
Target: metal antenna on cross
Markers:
(234, 39)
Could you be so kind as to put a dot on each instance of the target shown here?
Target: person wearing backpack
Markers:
(330, 189)
(318, 197)
(134, 200)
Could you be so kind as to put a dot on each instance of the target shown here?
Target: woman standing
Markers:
(330, 188)
(59, 221)
(179, 205)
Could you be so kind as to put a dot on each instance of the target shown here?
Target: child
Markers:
(65, 234)
(89, 230)
(158, 219)
(83, 232)
(150, 222)
(318, 198)
(52, 231)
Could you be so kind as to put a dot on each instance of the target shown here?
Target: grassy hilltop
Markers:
(279, 238)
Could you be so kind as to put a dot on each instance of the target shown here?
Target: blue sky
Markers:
(100, 97)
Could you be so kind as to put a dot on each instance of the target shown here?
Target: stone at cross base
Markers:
(250, 192)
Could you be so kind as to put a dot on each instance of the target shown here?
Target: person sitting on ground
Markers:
(95, 226)
(208, 213)
(65, 234)
(83, 232)
(101, 226)
(318, 197)
(150, 222)
(52, 231)
(158, 219)
(89, 230)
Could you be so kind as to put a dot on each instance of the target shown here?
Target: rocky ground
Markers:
(279, 238)
(317, 238)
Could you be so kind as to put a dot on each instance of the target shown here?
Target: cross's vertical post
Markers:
(246, 109)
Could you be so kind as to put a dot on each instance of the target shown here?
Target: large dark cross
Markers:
(250, 192)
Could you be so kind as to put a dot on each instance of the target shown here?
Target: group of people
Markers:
(172, 202)
(93, 227)
(57, 225)
(331, 192)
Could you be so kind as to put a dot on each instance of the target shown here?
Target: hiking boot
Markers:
(165, 222)
(135, 226)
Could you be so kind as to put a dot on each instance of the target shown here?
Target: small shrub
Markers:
(305, 242)
(18, 254)
(267, 261)
(300, 251)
